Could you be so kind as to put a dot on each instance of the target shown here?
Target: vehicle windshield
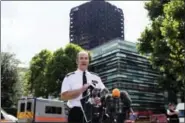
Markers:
(181, 113)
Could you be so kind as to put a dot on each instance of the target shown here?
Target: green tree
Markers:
(47, 71)
(164, 40)
(9, 77)
(36, 79)
(27, 83)
(71, 51)
(62, 62)
(21, 86)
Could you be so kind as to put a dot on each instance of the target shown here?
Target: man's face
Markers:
(83, 61)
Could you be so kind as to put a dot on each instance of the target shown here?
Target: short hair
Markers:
(171, 104)
(83, 51)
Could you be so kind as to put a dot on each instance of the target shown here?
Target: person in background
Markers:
(172, 114)
(126, 109)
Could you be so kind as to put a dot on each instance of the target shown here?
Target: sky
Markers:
(27, 27)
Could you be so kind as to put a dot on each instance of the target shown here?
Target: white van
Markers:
(40, 110)
(7, 118)
(180, 108)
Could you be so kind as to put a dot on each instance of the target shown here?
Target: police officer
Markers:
(75, 85)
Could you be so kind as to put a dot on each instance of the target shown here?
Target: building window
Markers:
(112, 46)
(22, 106)
(53, 110)
(113, 76)
(111, 63)
(29, 105)
(108, 53)
(121, 55)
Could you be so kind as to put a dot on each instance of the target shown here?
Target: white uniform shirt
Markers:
(168, 111)
(74, 81)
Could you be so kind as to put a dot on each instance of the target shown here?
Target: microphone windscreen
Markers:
(104, 92)
(95, 92)
(115, 93)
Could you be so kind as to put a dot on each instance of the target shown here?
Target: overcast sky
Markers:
(27, 27)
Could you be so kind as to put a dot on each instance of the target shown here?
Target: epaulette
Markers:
(71, 73)
(94, 73)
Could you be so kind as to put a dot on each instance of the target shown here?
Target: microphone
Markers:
(116, 93)
(95, 92)
(104, 92)
(90, 88)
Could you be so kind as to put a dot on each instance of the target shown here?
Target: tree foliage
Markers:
(9, 77)
(164, 40)
(58, 66)
(63, 62)
(47, 73)
(37, 71)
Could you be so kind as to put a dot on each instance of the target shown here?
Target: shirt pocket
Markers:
(76, 85)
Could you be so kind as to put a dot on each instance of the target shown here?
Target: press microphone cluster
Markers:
(116, 93)
(106, 96)
(112, 103)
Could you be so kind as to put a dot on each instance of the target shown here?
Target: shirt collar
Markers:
(80, 71)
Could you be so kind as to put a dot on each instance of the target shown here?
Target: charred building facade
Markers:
(94, 23)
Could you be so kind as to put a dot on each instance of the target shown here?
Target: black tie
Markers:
(84, 82)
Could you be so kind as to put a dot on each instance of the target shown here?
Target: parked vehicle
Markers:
(7, 118)
(39, 110)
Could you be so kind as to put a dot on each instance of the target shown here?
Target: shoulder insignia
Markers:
(71, 73)
(94, 73)
(94, 82)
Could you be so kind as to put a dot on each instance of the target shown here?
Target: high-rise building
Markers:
(120, 66)
(94, 23)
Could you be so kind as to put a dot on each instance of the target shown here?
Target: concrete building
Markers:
(120, 66)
